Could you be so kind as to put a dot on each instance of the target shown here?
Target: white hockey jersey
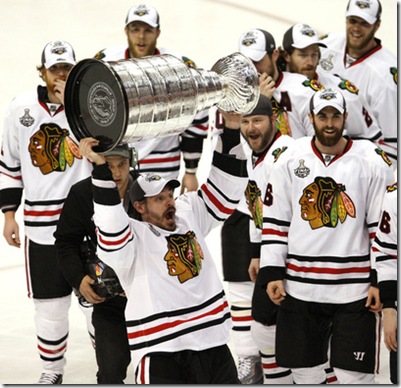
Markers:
(163, 154)
(175, 296)
(40, 157)
(322, 219)
(376, 76)
(256, 194)
(291, 101)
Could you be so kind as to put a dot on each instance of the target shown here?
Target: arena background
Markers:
(205, 31)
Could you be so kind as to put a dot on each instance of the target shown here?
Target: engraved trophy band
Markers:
(133, 99)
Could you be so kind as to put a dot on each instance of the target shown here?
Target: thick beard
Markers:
(329, 141)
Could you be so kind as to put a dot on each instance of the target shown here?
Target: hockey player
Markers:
(178, 319)
(161, 155)
(266, 143)
(40, 158)
(360, 57)
(289, 94)
(301, 47)
(75, 229)
(384, 250)
(316, 240)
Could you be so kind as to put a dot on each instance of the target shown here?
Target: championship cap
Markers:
(327, 97)
(300, 36)
(143, 13)
(369, 10)
(263, 107)
(255, 43)
(149, 185)
(120, 150)
(58, 51)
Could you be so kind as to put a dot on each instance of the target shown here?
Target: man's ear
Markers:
(139, 206)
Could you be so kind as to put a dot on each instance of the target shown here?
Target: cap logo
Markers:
(142, 10)
(327, 95)
(152, 177)
(307, 30)
(59, 48)
(362, 4)
(249, 39)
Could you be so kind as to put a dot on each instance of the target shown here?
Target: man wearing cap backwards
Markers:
(301, 47)
(75, 229)
(315, 261)
(177, 316)
(161, 155)
(40, 158)
(360, 57)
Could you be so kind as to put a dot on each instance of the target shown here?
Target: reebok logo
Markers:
(359, 356)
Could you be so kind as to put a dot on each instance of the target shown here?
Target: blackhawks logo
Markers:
(184, 256)
(255, 204)
(52, 149)
(324, 202)
(280, 118)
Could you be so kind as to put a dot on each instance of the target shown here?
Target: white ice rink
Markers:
(205, 31)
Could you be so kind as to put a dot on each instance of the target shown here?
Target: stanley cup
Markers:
(129, 100)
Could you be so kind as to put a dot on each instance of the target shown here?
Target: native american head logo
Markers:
(280, 118)
(52, 149)
(254, 202)
(324, 202)
(184, 256)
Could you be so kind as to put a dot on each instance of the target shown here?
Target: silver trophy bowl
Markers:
(130, 100)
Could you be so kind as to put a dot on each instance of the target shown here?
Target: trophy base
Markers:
(96, 103)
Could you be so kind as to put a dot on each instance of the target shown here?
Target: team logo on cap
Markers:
(328, 95)
(142, 10)
(152, 177)
(324, 203)
(59, 48)
(249, 39)
(362, 4)
(307, 30)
